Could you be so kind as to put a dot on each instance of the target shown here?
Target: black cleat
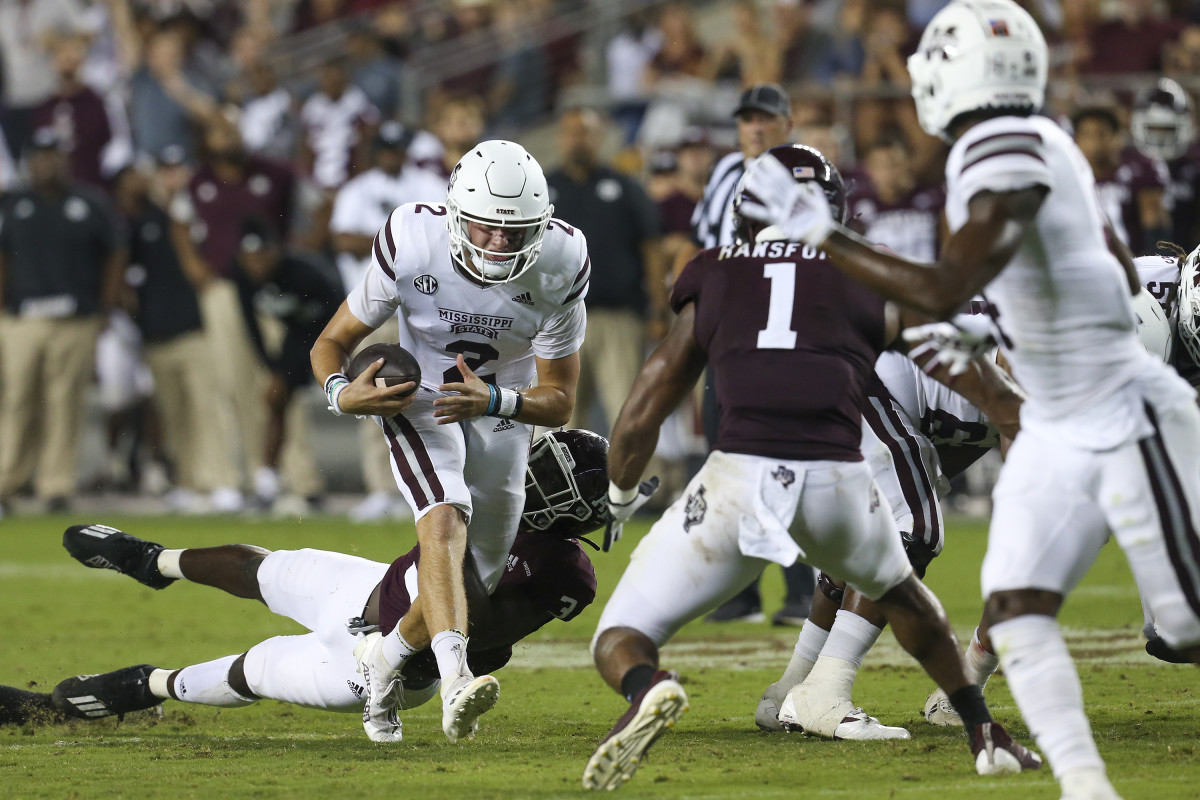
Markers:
(93, 696)
(102, 547)
(21, 707)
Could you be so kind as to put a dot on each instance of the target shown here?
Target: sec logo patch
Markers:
(425, 284)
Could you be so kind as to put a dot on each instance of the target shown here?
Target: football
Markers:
(399, 365)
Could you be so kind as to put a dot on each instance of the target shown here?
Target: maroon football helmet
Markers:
(806, 164)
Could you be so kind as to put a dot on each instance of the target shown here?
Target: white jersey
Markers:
(1064, 316)
(445, 312)
(1160, 276)
(366, 201)
(943, 416)
(333, 128)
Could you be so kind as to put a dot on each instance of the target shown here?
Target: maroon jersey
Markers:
(554, 573)
(81, 121)
(265, 192)
(675, 213)
(1119, 190)
(791, 343)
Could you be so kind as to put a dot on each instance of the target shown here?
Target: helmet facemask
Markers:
(495, 266)
(555, 501)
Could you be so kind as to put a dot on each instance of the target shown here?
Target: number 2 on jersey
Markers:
(475, 354)
(778, 335)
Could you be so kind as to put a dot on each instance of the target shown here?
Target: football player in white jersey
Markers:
(1104, 427)
(489, 293)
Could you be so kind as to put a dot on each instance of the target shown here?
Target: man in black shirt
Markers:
(163, 274)
(60, 268)
(302, 297)
(621, 225)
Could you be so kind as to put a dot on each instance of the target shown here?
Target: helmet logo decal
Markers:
(999, 27)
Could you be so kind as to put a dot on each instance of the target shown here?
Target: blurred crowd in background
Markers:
(191, 187)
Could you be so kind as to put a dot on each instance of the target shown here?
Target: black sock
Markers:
(970, 705)
(636, 679)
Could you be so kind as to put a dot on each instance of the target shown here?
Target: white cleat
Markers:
(1087, 784)
(464, 702)
(766, 716)
(807, 709)
(380, 683)
(939, 711)
(655, 710)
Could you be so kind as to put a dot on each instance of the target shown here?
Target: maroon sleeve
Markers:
(1146, 175)
(687, 285)
(560, 577)
(394, 601)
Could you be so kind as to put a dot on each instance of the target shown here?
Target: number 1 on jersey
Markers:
(778, 335)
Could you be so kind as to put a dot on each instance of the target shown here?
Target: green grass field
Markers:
(58, 619)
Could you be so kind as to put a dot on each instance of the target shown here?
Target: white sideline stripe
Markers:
(18, 569)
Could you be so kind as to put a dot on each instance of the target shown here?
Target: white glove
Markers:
(799, 210)
(954, 345)
(622, 504)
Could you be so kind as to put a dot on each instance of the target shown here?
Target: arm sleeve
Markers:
(1005, 161)
(376, 299)
(687, 286)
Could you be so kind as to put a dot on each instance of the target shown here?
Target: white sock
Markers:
(980, 662)
(850, 638)
(396, 649)
(157, 683)
(168, 563)
(808, 646)
(206, 684)
(450, 650)
(1043, 681)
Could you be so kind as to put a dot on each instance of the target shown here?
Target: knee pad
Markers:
(830, 588)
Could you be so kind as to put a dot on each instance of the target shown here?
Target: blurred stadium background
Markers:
(258, 112)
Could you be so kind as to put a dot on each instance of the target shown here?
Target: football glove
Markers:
(954, 345)
(799, 210)
(621, 507)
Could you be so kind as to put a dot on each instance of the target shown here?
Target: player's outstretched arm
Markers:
(971, 258)
(666, 377)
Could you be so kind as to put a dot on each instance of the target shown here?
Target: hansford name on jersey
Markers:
(469, 322)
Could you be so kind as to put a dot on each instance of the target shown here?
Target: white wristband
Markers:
(334, 391)
(621, 497)
(509, 403)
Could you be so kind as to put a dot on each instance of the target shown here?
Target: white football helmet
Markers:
(498, 184)
(1161, 122)
(1187, 328)
(1153, 327)
(974, 55)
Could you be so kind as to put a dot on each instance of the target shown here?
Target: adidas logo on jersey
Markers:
(505, 425)
(524, 298)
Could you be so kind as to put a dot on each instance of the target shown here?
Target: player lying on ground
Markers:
(1109, 435)
(792, 344)
(339, 598)
(488, 290)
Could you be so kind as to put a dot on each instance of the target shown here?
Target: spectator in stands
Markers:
(676, 186)
(360, 210)
(1132, 188)
(891, 208)
(455, 126)
(267, 124)
(621, 226)
(164, 273)
(78, 115)
(25, 30)
(375, 71)
(518, 91)
(681, 55)
(337, 123)
(627, 57)
(298, 294)
(1133, 41)
(60, 270)
(749, 55)
(229, 187)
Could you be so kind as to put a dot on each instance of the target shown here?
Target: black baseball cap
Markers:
(768, 97)
(392, 134)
